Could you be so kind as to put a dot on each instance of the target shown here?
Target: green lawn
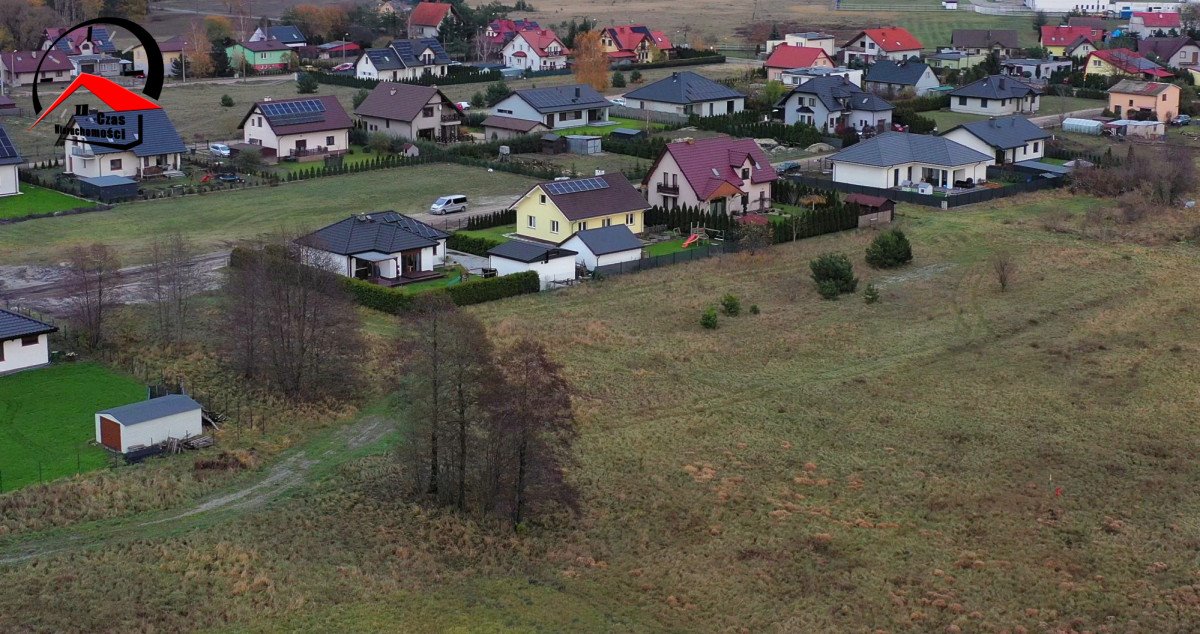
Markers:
(604, 130)
(494, 233)
(38, 200)
(670, 246)
(360, 155)
(1051, 105)
(449, 277)
(46, 418)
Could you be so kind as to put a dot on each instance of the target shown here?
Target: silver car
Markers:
(448, 204)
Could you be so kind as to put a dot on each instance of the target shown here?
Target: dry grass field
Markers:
(950, 459)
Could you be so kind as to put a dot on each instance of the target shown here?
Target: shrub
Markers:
(833, 271)
(226, 101)
(708, 319)
(731, 305)
(889, 250)
(754, 309)
(828, 289)
(635, 76)
(482, 290)
(870, 294)
(471, 244)
(478, 100)
(306, 83)
(618, 79)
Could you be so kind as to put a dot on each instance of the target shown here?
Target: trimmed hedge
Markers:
(378, 297)
(494, 219)
(471, 244)
(671, 63)
(480, 290)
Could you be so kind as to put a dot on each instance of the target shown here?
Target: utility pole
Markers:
(183, 61)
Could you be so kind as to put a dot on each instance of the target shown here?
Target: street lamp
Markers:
(183, 61)
(345, 43)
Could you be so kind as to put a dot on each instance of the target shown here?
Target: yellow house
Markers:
(552, 212)
(172, 49)
(1124, 63)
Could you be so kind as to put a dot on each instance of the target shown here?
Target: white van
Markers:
(448, 204)
(218, 149)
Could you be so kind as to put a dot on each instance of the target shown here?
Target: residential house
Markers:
(997, 96)
(537, 49)
(1174, 52)
(1099, 6)
(19, 68)
(171, 49)
(833, 104)
(551, 212)
(427, 18)
(1035, 68)
(907, 78)
(636, 44)
(98, 64)
(339, 50)
(956, 60)
(497, 128)
(159, 152)
(551, 262)
(1152, 23)
(891, 42)
(386, 248)
(1123, 63)
(1093, 22)
(24, 342)
(1128, 98)
(786, 57)
(1003, 42)
(899, 159)
(10, 161)
(718, 175)
(403, 60)
(76, 42)
(558, 107)
(1056, 38)
(284, 33)
(261, 56)
(810, 39)
(1080, 48)
(303, 128)
(797, 76)
(604, 246)
(687, 93)
(501, 30)
(1013, 139)
(409, 111)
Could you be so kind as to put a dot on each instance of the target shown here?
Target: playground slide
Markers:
(691, 240)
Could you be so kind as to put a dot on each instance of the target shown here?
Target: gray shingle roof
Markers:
(885, 71)
(837, 93)
(995, 87)
(386, 232)
(562, 98)
(8, 152)
(684, 88)
(406, 54)
(285, 33)
(153, 409)
(527, 252)
(896, 148)
(611, 239)
(158, 133)
(984, 38)
(1004, 132)
(13, 326)
(397, 101)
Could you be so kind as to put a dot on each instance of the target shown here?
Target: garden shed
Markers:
(108, 189)
(583, 144)
(554, 144)
(873, 210)
(1082, 126)
(140, 425)
(627, 134)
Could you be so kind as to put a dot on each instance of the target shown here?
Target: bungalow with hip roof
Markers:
(995, 95)
(786, 57)
(536, 49)
(889, 78)
(98, 64)
(717, 175)
(408, 111)
(893, 159)
(387, 248)
(427, 18)
(687, 93)
(158, 153)
(305, 128)
(497, 128)
(552, 263)
(833, 104)
(261, 56)
(24, 342)
(1129, 97)
(558, 107)
(171, 49)
(891, 42)
(604, 246)
(551, 212)
(17, 68)
(1011, 139)
(285, 33)
(10, 162)
(403, 59)
(1123, 62)
(1056, 38)
(1175, 52)
(1151, 23)
(1003, 42)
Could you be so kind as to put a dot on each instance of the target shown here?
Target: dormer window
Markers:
(745, 173)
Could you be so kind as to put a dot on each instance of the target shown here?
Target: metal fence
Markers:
(678, 257)
(668, 118)
(978, 195)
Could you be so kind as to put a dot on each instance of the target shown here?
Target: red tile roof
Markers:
(788, 56)
(627, 37)
(429, 13)
(1063, 35)
(1159, 20)
(866, 200)
(661, 40)
(27, 61)
(539, 39)
(1129, 62)
(714, 165)
(892, 39)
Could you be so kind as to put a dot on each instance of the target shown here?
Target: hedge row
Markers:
(671, 63)
(927, 103)
(471, 244)
(475, 291)
(494, 219)
(455, 75)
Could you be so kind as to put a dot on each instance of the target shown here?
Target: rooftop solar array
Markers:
(559, 188)
(294, 112)
(8, 153)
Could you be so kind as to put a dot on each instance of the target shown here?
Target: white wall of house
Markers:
(417, 31)
(125, 163)
(18, 356)
(821, 117)
(412, 129)
(590, 260)
(257, 131)
(714, 108)
(48, 77)
(886, 177)
(867, 49)
(343, 265)
(515, 107)
(789, 78)
(558, 269)
(1031, 151)
(365, 69)
(391, 127)
(927, 82)
(9, 184)
(532, 58)
(182, 425)
(994, 107)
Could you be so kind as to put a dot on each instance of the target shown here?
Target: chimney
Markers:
(392, 92)
(1002, 83)
(577, 92)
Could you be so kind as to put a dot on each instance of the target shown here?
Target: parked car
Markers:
(617, 101)
(230, 178)
(219, 149)
(463, 106)
(1182, 119)
(448, 204)
(343, 67)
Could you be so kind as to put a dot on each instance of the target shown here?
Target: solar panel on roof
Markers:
(559, 188)
(7, 150)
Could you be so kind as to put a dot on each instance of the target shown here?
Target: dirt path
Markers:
(290, 472)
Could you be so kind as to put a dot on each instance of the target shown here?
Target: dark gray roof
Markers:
(152, 409)
(8, 152)
(611, 239)
(285, 33)
(158, 133)
(386, 232)
(837, 93)
(527, 252)
(384, 58)
(13, 326)
(885, 71)
(984, 38)
(685, 88)
(406, 54)
(995, 87)
(1004, 132)
(108, 181)
(563, 98)
(896, 148)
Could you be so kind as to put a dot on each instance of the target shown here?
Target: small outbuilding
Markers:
(24, 342)
(627, 134)
(583, 144)
(1082, 126)
(552, 263)
(140, 425)
(554, 144)
(873, 210)
(604, 246)
(108, 189)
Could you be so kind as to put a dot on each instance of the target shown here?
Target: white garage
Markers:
(24, 342)
(129, 427)
(552, 264)
(604, 246)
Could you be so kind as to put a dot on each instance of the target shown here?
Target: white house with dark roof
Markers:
(403, 60)
(558, 107)
(158, 153)
(305, 128)
(285, 33)
(604, 246)
(889, 78)
(10, 161)
(1009, 139)
(1003, 42)
(409, 111)
(899, 159)
(687, 93)
(24, 342)
(387, 248)
(997, 96)
(833, 104)
(551, 263)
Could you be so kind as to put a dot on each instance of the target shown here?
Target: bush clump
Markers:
(731, 305)
(889, 250)
(834, 275)
(709, 318)
(870, 294)
(226, 101)
(754, 309)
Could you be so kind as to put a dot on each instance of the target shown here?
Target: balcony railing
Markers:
(314, 151)
(451, 117)
(670, 190)
(82, 152)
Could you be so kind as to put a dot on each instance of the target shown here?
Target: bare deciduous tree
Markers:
(1004, 267)
(170, 285)
(91, 277)
(423, 360)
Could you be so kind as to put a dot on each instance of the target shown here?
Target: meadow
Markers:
(38, 200)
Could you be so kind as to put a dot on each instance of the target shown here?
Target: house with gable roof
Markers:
(717, 175)
(1012, 139)
(260, 56)
(287, 34)
(1057, 38)
(19, 68)
(1128, 98)
(386, 248)
(889, 78)
(535, 49)
(996, 95)
(10, 162)
(403, 60)
(786, 57)
(636, 44)
(551, 212)
(427, 18)
(158, 154)
(1003, 42)
(1151, 23)
(305, 128)
(891, 42)
(556, 107)
(1123, 62)
(501, 30)
(1176, 52)
(76, 42)
(833, 104)
(171, 49)
(687, 93)
(409, 111)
